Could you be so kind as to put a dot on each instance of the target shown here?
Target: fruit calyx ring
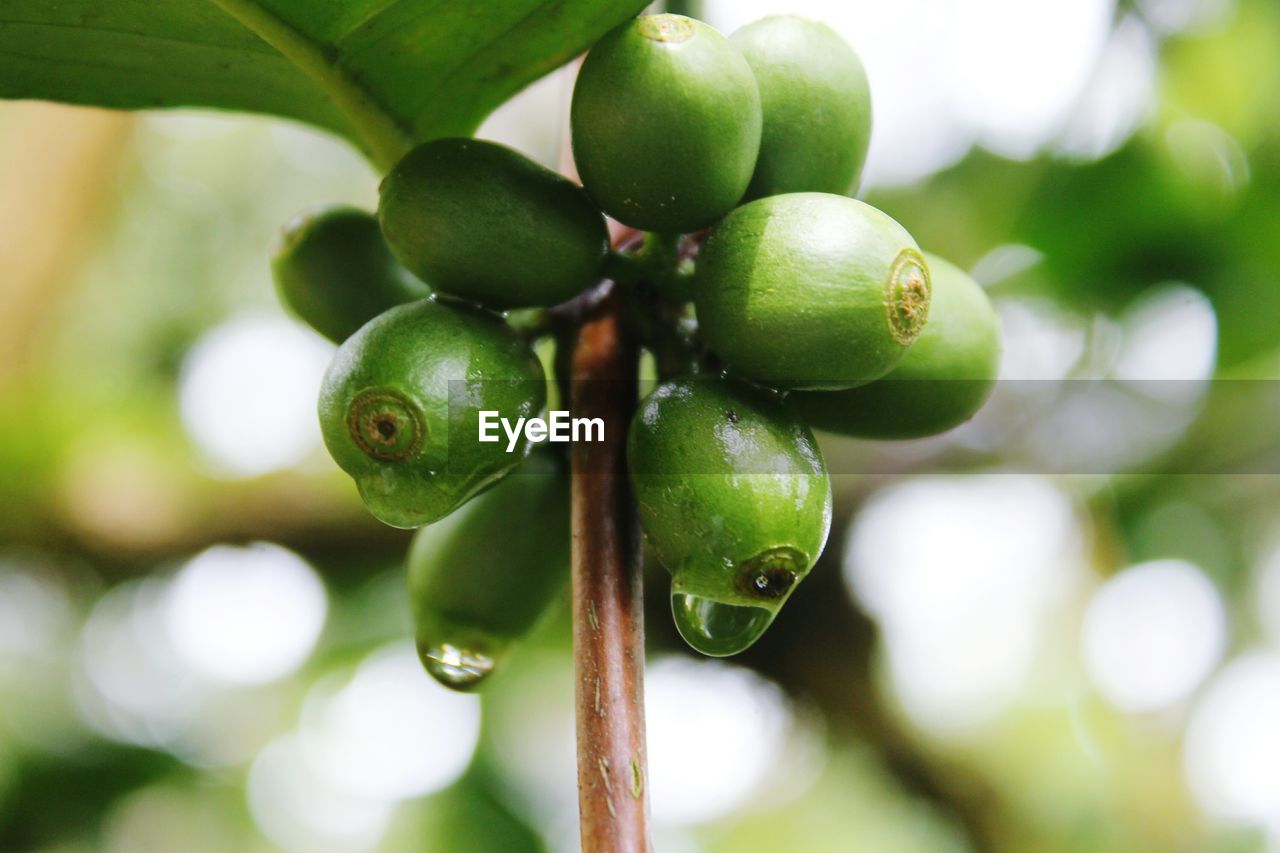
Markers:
(666, 28)
(385, 425)
(907, 292)
(771, 574)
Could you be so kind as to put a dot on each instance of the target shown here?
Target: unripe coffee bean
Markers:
(811, 290)
(480, 579)
(816, 103)
(334, 271)
(399, 407)
(942, 381)
(733, 496)
(487, 224)
(666, 124)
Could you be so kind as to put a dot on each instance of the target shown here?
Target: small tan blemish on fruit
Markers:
(671, 29)
(907, 293)
(385, 425)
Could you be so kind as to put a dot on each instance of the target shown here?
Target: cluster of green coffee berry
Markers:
(790, 304)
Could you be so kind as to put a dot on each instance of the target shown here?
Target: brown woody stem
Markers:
(608, 622)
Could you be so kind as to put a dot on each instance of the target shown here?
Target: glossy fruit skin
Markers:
(480, 579)
(816, 104)
(666, 124)
(399, 407)
(943, 380)
(487, 224)
(730, 488)
(334, 271)
(810, 290)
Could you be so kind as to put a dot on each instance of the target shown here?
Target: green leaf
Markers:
(387, 74)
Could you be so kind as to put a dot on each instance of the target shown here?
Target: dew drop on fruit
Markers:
(457, 668)
(715, 628)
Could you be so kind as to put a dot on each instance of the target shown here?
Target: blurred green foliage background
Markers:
(1013, 642)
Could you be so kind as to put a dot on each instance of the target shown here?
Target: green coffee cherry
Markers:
(733, 496)
(333, 269)
(811, 290)
(944, 379)
(666, 124)
(489, 225)
(817, 107)
(480, 579)
(399, 407)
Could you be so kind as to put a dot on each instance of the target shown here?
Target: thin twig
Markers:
(608, 622)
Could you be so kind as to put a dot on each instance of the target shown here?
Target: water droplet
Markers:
(715, 628)
(456, 668)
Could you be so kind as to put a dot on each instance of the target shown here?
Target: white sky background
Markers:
(1005, 74)
(1017, 77)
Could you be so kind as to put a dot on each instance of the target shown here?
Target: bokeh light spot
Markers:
(301, 810)
(1231, 754)
(390, 732)
(715, 731)
(247, 393)
(245, 615)
(1152, 634)
(959, 572)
